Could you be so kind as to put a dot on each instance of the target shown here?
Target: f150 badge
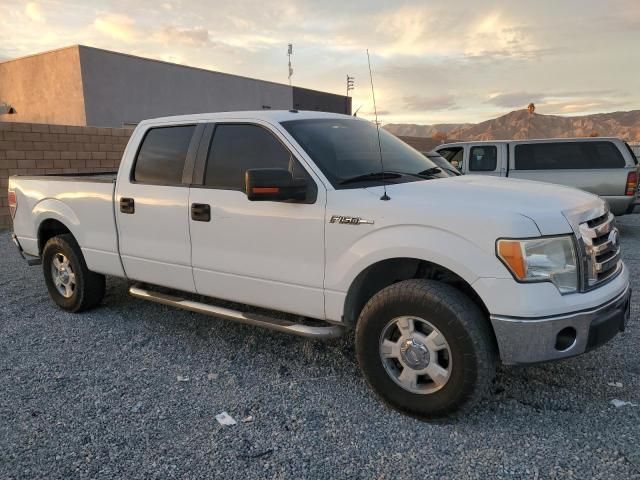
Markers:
(350, 220)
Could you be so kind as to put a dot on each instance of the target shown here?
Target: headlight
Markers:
(550, 259)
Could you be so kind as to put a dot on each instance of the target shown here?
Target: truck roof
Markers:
(533, 140)
(266, 115)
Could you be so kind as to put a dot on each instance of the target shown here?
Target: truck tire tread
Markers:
(436, 297)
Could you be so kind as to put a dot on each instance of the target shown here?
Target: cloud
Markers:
(584, 106)
(118, 26)
(34, 11)
(515, 99)
(440, 102)
(522, 99)
(195, 37)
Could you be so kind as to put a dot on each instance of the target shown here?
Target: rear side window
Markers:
(483, 158)
(236, 148)
(161, 157)
(568, 156)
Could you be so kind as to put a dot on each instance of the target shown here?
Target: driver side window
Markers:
(236, 148)
(454, 155)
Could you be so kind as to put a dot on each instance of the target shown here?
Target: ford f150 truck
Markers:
(308, 214)
(604, 166)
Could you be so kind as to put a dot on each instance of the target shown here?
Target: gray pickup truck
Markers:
(604, 166)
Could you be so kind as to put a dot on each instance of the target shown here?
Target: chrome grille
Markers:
(601, 242)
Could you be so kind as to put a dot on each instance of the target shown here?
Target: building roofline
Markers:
(47, 52)
(138, 57)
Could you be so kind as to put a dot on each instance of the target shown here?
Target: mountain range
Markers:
(521, 124)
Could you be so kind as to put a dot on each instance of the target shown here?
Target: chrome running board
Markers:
(278, 324)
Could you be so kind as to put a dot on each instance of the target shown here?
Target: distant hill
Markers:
(521, 125)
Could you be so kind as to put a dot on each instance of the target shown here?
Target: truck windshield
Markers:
(346, 150)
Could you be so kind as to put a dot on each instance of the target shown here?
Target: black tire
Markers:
(459, 320)
(89, 287)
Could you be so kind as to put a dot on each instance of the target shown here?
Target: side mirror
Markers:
(273, 184)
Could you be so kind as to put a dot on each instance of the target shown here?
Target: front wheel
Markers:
(425, 348)
(70, 283)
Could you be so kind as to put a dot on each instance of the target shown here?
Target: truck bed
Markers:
(81, 203)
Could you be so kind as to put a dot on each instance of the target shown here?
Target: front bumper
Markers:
(531, 340)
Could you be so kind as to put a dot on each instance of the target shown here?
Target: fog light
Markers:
(566, 339)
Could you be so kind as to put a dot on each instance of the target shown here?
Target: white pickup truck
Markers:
(291, 216)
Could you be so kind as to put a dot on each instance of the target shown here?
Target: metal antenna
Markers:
(375, 111)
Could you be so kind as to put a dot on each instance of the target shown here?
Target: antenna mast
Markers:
(289, 53)
(375, 111)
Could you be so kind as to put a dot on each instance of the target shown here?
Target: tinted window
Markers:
(161, 157)
(345, 148)
(237, 148)
(567, 155)
(483, 158)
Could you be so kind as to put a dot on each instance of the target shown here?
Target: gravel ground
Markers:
(97, 395)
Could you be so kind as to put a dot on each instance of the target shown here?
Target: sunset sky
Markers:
(433, 61)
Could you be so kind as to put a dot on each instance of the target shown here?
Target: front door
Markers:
(266, 253)
(484, 159)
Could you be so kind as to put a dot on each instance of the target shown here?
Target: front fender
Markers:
(441, 247)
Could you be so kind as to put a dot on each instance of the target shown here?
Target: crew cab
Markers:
(604, 166)
(307, 223)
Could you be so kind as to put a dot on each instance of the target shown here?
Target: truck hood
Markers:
(478, 196)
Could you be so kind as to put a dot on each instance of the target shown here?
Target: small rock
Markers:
(212, 376)
(225, 419)
(136, 408)
(181, 378)
(247, 419)
(621, 403)
(615, 384)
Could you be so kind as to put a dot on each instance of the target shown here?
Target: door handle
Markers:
(127, 205)
(200, 212)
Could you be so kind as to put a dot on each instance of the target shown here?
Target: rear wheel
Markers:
(425, 348)
(70, 283)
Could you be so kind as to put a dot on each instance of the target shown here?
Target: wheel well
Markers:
(387, 272)
(48, 229)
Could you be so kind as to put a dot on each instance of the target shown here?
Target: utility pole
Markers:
(350, 84)
(289, 53)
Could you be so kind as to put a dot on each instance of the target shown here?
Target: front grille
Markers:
(601, 243)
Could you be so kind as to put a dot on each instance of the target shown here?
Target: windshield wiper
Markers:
(373, 176)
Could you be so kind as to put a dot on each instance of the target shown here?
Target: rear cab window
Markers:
(162, 155)
(568, 156)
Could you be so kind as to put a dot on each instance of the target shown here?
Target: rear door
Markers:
(152, 207)
(265, 253)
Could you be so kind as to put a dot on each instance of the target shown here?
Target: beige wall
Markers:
(45, 88)
(37, 149)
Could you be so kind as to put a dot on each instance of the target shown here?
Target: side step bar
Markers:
(280, 325)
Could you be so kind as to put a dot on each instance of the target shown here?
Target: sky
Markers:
(433, 61)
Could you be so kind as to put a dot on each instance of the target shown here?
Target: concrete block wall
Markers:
(38, 149)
